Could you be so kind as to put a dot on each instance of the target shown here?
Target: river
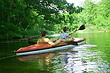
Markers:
(92, 57)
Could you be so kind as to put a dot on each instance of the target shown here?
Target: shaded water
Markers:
(93, 57)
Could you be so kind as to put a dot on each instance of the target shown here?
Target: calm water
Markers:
(93, 57)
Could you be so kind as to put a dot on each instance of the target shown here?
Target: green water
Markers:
(93, 57)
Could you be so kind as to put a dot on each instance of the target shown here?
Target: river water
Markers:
(92, 57)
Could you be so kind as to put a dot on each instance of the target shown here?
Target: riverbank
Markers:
(28, 38)
(92, 31)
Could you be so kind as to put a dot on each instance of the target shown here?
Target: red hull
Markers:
(37, 47)
(45, 46)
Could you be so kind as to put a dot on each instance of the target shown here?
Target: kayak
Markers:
(45, 48)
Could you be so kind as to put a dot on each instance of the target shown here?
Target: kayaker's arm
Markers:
(54, 43)
(49, 41)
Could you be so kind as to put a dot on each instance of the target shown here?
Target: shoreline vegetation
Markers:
(29, 38)
(93, 31)
(24, 19)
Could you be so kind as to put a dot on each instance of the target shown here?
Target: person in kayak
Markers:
(65, 35)
(43, 39)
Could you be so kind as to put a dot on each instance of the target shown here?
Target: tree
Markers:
(96, 14)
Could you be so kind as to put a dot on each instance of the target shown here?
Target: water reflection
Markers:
(83, 60)
(46, 58)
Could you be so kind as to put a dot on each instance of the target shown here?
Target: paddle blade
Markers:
(82, 27)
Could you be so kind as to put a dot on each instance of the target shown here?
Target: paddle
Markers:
(82, 27)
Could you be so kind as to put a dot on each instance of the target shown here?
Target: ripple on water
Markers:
(85, 60)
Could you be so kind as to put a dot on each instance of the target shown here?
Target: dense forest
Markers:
(24, 18)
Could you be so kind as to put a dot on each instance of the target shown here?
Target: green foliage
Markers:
(96, 14)
(20, 18)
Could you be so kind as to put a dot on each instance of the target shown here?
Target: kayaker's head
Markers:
(64, 29)
(43, 33)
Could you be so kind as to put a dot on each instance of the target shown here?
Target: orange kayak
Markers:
(46, 47)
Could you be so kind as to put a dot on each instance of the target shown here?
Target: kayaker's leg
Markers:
(57, 42)
(54, 40)
(62, 40)
(67, 40)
